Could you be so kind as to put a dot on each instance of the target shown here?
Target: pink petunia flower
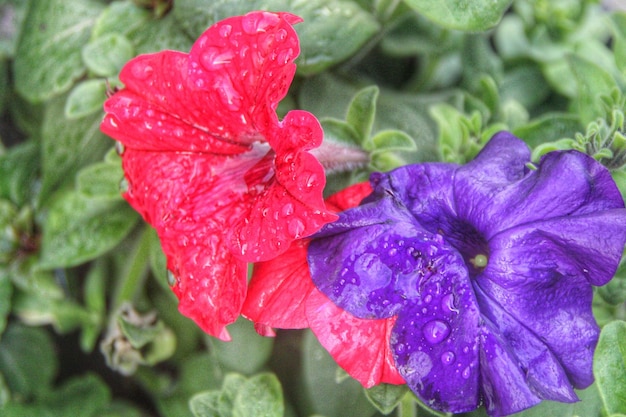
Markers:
(209, 165)
(282, 295)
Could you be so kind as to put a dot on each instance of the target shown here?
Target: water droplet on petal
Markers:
(141, 70)
(281, 35)
(448, 303)
(225, 30)
(466, 373)
(287, 209)
(447, 358)
(436, 331)
(428, 298)
(295, 227)
(311, 180)
(171, 278)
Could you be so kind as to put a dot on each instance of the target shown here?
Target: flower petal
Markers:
(279, 288)
(159, 111)
(187, 216)
(504, 386)
(360, 347)
(543, 371)
(292, 207)
(541, 272)
(359, 260)
(435, 340)
(244, 66)
(494, 193)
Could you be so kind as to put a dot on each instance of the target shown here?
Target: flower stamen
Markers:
(479, 261)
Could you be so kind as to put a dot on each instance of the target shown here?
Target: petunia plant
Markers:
(329, 208)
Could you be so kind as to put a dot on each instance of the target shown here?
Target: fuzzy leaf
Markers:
(79, 229)
(362, 111)
(48, 58)
(106, 55)
(609, 366)
(475, 15)
(27, 360)
(85, 98)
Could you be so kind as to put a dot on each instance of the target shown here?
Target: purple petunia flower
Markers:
(489, 268)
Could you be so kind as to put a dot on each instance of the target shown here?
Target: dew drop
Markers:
(448, 303)
(296, 227)
(141, 70)
(311, 181)
(119, 148)
(287, 209)
(466, 373)
(428, 298)
(179, 132)
(225, 31)
(436, 331)
(171, 278)
(281, 35)
(447, 358)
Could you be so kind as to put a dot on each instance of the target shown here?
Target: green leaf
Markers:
(82, 396)
(619, 40)
(106, 55)
(548, 127)
(609, 366)
(101, 180)
(48, 58)
(120, 18)
(246, 343)
(336, 130)
(392, 140)
(85, 98)
(78, 229)
(362, 111)
(19, 168)
(27, 360)
(68, 145)
(6, 291)
(332, 31)
(320, 391)
(156, 35)
(475, 15)
(218, 403)
(206, 404)
(386, 397)
(592, 81)
(260, 396)
(27, 277)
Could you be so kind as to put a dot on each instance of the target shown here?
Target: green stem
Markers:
(135, 271)
(407, 408)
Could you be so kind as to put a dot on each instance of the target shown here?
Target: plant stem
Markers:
(134, 272)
